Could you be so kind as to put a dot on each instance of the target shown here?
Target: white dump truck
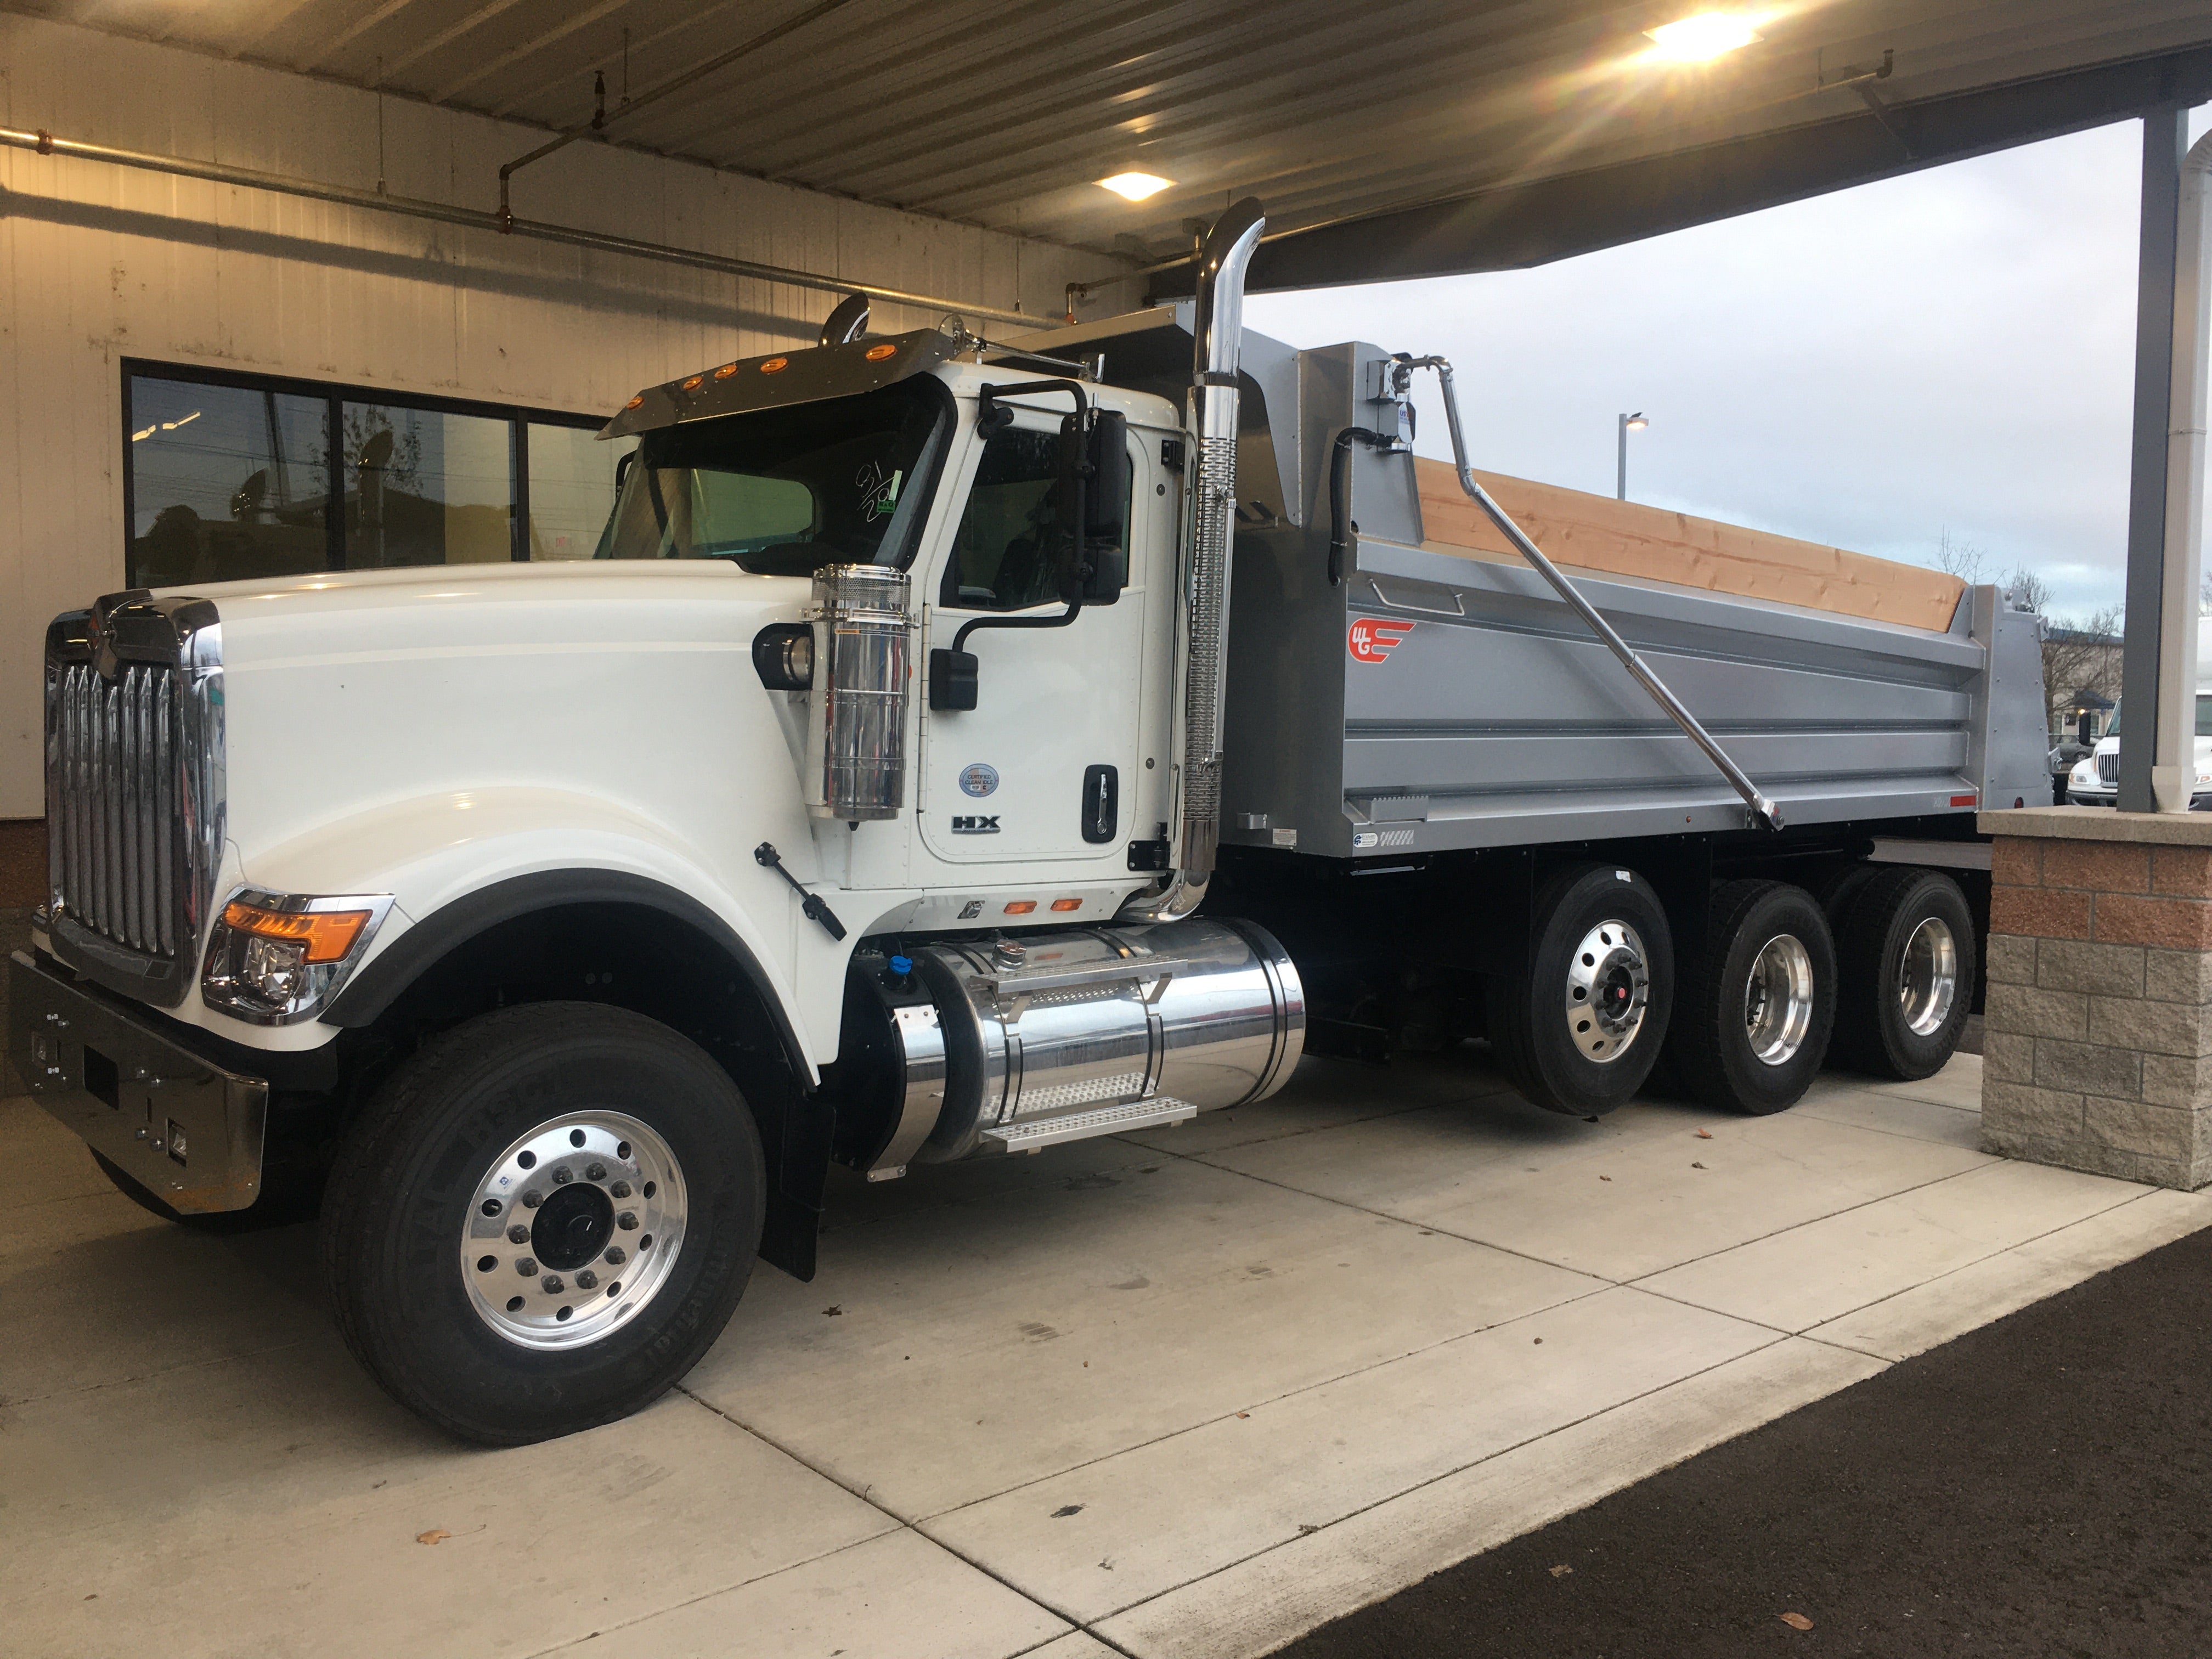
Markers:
(959, 747)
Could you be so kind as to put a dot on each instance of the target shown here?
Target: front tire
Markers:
(543, 1221)
(1580, 1028)
(1760, 1004)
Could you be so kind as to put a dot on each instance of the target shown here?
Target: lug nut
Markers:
(532, 1199)
(616, 1256)
(587, 1280)
(525, 1267)
(595, 1172)
(518, 1234)
(551, 1284)
(563, 1175)
(627, 1220)
(620, 1189)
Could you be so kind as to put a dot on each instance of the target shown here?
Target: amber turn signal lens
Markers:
(1067, 904)
(328, 934)
(1020, 907)
(876, 353)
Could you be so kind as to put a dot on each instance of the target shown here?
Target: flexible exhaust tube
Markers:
(1216, 333)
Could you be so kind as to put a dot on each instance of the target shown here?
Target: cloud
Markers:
(1949, 351)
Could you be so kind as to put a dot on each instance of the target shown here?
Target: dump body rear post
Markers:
(629, 895)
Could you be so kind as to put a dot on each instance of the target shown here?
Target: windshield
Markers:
(782, 492)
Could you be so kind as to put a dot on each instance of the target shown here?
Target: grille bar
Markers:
(2108, 767)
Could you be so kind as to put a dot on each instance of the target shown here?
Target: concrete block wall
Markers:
(2098, 1045)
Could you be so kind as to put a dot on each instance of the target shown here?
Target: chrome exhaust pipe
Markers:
(1218, 330)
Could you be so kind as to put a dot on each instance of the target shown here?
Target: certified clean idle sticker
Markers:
(978, 779)
(1372, 640)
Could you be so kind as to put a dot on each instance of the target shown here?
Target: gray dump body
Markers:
(1497, 718)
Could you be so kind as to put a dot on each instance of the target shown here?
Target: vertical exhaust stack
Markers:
(1217, 332)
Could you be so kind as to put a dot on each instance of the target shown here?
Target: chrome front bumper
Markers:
(185, 1129)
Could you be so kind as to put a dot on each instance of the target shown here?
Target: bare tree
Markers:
(1957, 557)
(2079, 653)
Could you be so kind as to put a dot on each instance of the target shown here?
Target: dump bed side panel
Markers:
(1428, 702)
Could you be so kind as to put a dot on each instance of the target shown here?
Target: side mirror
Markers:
(1101, 457)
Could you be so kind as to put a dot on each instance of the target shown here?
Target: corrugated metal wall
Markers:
(98, 264)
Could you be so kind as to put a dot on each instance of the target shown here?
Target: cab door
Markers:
(1049, 764)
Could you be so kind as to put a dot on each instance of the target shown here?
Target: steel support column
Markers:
(2165, 134)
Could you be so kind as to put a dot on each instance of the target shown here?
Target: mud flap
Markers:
(795, 1131)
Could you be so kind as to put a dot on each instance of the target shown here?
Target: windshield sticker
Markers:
(978, 779)
(879, 491)
(1372, 640)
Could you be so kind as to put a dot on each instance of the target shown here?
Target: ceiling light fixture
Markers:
(1702, 37)
(1135, 186)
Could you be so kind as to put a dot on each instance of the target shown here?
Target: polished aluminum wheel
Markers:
(1927, 978)
(1778, 1002)
(573, 1229)
(1608, 987)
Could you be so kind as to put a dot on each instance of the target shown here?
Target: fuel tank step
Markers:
(1040, 1133)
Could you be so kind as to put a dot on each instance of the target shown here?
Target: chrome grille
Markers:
(134, 788)
(2108, 767)
(117, 831)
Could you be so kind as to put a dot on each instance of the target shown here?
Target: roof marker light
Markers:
(725, 371)
(1136, 186)
(1702, 37)
(876, 353)
(776, 365)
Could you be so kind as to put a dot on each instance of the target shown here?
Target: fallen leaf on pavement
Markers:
(1067, 1509)
(1797, 1622)
(1605, 1177)
(1697, 1166)
(1561, 1571)
(832, 1311)
(436, 1536)
(1705, 1134)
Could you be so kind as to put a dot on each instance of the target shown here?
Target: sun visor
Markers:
(805, 376)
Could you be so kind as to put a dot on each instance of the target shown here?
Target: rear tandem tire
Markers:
(1750, 1045)
(488, 1234)
(1906, 956)
(1589, 1053)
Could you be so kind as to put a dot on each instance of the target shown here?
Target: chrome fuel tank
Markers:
(1058, 1035)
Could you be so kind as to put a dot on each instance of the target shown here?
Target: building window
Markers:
(231, 476)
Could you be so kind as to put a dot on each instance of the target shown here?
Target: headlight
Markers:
(2085, 771)
(276, 957)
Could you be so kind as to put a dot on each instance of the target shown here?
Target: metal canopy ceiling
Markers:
(1391, 137)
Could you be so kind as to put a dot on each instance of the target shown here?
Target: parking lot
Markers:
(1188, 1392)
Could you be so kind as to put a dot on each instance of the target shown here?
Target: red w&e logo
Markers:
(1371, 638)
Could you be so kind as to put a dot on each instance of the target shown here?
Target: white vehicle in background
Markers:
(2095, 780)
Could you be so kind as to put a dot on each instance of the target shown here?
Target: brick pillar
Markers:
(2098, 1043)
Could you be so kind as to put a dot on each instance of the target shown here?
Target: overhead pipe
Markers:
(2173, 760)
(1218, 332)
(45, 144)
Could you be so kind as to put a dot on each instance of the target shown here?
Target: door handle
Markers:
(1101, 802)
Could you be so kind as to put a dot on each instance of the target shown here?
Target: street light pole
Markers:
(1629, 424)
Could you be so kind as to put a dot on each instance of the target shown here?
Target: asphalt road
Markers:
(2041, 1487)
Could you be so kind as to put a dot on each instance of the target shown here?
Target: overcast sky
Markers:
(1950, 350)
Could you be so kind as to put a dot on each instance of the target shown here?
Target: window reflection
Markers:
(571, 489)
(227, 484)
(426, 487)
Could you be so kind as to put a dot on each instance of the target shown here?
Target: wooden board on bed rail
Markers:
(1625, 538)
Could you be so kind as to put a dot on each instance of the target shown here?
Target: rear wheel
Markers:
(543, 1221)
(1760, 1003)
(1906, 953)
(1578, 1031)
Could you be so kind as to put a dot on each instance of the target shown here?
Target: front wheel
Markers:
(543, 1221)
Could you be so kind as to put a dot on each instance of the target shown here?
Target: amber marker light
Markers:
(1136, 186)
(725, 371)
(876, 353)
(328, 934)
(776, 365)
(695, 383)
(1067, 904)
(637, 402)
(1020, 907)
